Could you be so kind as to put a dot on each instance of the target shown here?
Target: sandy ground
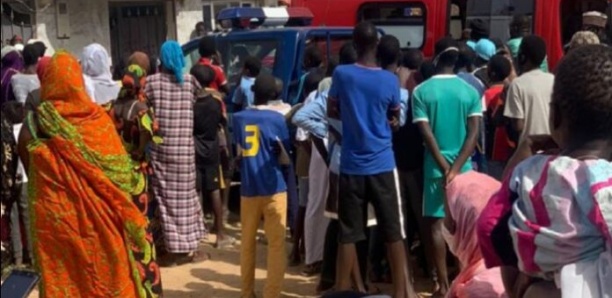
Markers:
(220, 276)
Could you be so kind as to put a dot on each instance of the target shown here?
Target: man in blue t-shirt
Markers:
(366, 99)
(261, 137)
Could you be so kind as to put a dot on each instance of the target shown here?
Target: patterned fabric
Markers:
(174, 174)
(133, 118)
(467, 195)
(8, 164)
(563, 217)
(81, 179)
(558, 211)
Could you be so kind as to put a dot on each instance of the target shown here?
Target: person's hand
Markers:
(394, 123)
(450, 175)
(531, 146)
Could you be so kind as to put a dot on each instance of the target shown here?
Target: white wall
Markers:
(88, 24)
(188, 14)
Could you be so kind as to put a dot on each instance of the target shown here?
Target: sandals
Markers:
(227, 242)
(312, 270)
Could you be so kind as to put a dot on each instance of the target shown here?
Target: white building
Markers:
(120, 26)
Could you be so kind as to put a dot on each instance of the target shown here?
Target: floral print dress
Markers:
(8, 158)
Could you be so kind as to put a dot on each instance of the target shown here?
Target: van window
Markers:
(406, 21)
(498, 14)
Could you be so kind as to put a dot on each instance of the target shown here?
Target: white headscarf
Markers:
(95, 63)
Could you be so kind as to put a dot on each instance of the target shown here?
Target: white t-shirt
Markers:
(529, 99)
(23, 84)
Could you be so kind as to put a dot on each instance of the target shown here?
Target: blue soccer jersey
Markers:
(257, 132)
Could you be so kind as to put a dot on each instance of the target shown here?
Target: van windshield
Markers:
(404, 20)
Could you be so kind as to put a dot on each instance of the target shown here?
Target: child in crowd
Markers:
(243, 96)
(497, 137)
(549, 227)
(260, 135)
(208, 119)
(448, 112)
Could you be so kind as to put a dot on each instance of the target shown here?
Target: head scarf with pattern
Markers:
(133, 83)
(172, 59)
(141, 59)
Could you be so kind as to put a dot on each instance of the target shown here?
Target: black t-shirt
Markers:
(207, 119)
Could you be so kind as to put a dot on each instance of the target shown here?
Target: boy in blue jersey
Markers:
(243, 96)
(261, 137)
(448, 112)
(366, 99)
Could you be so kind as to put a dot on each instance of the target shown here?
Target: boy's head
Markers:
(447, 53)
(207, 47)
(466, 58)
(265, 89)
(348, 54)
(313, 57)
(532, 53)
(251, 67)
(365, 37)
(499, 68)
(388, 51)
(204, 74)
(582, 96)
(412, 59)
(30, 54)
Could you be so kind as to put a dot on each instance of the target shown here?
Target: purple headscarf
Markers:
(12, 64)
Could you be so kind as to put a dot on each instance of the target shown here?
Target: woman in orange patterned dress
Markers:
(87, 232)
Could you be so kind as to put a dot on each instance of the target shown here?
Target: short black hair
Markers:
(480, 29)
(265, 88)
(499, 68)
(532, 49)
(466, 57)
(412, 59)
(41, 47)
(365, 37)
(253, 65)
(30, 54)
(348, 53)
(427, 70)
(388, 50)
(499, 44)
(444, 57)
(313, 57)
(207, 47)
(204, 74)
(583, 91)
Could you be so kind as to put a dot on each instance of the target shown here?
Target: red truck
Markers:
(419, 23)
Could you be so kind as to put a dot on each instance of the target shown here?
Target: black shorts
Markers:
(208, 178)
(382, 190)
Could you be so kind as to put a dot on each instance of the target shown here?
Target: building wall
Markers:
(89, 23)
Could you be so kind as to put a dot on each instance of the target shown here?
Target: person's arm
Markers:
(311, 118)
(514, 108)
(25, 137)
(432, 145)
(333, 98)
(222, 81)
(466, 150)
(421, 119)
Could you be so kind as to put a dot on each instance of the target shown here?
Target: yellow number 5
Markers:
(252, 140)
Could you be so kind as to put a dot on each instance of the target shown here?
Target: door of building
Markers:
(136, 26)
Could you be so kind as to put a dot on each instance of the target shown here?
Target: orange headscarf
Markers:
(83, 219)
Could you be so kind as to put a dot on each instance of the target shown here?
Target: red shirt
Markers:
(220, 79)
(502, 145)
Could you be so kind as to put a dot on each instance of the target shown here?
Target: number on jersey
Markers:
(251, 140)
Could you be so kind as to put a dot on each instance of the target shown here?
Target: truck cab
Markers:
(280, 48)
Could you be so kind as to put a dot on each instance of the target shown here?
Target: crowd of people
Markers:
(480, 167)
